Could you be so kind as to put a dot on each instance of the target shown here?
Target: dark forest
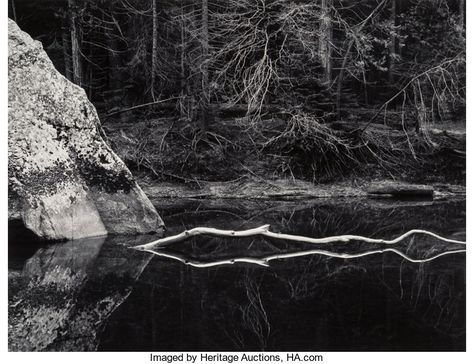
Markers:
(317, 90)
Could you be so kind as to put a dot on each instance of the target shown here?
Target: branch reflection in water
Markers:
(264, 231)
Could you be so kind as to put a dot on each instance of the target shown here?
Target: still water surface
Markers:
(99, 294)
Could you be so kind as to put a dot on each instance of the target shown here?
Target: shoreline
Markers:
(296, 190)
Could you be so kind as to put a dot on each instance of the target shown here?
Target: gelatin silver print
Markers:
(236, 176)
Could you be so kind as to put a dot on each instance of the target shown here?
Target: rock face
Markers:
(64, 181)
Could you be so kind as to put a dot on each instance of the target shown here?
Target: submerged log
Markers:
(401, 190)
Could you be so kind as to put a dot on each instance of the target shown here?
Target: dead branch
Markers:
(141, 105)
(264, 231)
(437, 68)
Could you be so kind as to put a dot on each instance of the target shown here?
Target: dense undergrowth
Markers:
(290, 146)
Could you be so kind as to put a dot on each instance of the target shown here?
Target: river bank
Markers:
(296, 190)
(231, 161)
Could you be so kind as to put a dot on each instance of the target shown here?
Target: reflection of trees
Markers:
(317, 218)
(315, 303)
(62, 298)
(440, 290)
(254, 316)
(248, 313)
(324, 297)
(244, 323)
(71, 296)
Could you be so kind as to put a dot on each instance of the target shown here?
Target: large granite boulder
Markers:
(65, 182)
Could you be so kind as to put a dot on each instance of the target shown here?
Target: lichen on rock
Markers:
(65, 182)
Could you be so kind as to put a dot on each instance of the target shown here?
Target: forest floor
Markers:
(171, 160)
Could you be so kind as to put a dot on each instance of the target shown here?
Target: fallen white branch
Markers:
(204, 231)
(264, 230)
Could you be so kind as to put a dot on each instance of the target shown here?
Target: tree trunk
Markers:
(114, 74)
(75, 44)
(154, 49)
(340, 78)
(66, 48)
(393, 42)
(14, 11)
(462, 13)
(182, 72)
(205, 65)
(325, 40)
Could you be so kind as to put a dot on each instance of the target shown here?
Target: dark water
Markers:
(98, 294)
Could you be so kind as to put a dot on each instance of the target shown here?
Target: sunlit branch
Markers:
(264, 231)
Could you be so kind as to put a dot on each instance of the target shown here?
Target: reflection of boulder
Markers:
(64, 180)
(64, 294)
